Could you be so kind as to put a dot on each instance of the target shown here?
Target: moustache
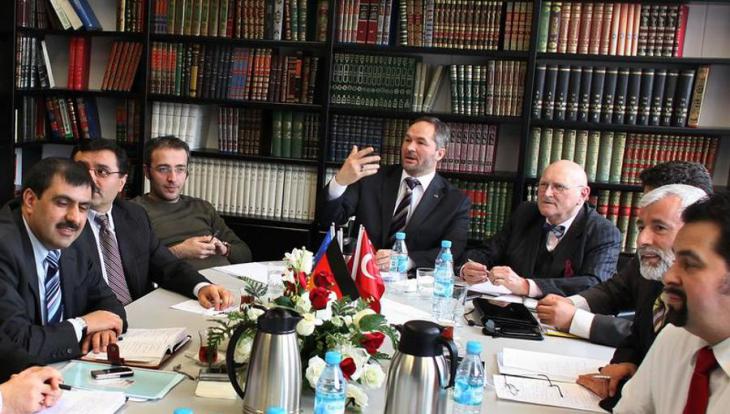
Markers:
(672, 290)
(67, 225)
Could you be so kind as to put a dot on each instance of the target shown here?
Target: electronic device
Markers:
(505, 319)
(115, 372)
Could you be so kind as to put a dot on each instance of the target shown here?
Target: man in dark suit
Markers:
(54, 304)
(559, 245)
(410, 197)
(120, 237)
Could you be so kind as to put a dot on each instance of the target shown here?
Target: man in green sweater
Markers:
(189, 226)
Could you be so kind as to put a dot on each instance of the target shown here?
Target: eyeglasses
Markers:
(557, 187)
(103, 172)
(166, 169)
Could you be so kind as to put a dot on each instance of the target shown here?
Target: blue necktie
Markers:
(557, 230)
(54, 307)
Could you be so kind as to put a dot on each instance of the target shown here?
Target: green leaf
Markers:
(284, 301)
(371, 322)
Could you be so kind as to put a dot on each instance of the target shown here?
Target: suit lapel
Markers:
(67, 268)
(28, 264)
(431, 198)
(126, 246)
(564, 249)
(531, 249)
(391, 186)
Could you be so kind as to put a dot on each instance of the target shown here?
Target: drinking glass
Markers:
(206, 355)
(424, 281)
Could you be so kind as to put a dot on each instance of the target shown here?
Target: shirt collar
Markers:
(40, 252)
(722, 354)
(567, 223)
(94, 213)
(425, 180)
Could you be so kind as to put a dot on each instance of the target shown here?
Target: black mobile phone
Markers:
(116, 372)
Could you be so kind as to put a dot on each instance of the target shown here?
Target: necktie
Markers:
(112, 261)
(699, 389)
(659, 314)
(557, 230)
(398, 223)
(52, 283)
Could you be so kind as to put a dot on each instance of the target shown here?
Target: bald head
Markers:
(562, 191)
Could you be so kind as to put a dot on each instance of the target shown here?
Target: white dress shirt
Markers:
(550, 244)
(583, 317)
(40, 252)
(662, 382)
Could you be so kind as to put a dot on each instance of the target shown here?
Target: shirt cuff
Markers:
(335, 190)
(580, 302)
(534, 291)
(199, 286)
(78, 327)
(581, 324)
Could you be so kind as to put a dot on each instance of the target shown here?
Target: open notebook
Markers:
(147, 348)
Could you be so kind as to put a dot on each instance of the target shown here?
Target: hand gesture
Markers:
(30, 391)
(102, 321)
(214, 296)
(473, 272)
(198, 247)
(357, 165)
(557, 311)
(98, 341)
(505, 276)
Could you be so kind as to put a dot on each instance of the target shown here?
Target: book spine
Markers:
(571, 113)
(606, 29)
(684, 92)
(645, 94)
(619, 100)
(698, 94)
(670, 90)
(657, 96)
(554, 31)
(544, 26)
(597, 85)
(548, 98)
(678, 46)
(609, 89)
(632, 96)
(585, 22)
(561, 93)
(584, 100)
(565, 17)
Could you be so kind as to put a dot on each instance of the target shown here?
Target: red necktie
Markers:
(699, 388)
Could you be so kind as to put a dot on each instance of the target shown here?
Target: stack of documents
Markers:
(88, 402)
(144, 385)
(146, 347)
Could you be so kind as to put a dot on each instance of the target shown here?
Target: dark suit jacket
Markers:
(442, 214)
(13, 359)
(586, 255)
(627, 290)
(82, 286)
(144, 258)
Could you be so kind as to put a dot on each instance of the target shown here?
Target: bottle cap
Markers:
(446, 243)
(332, 357)
(400, 235)
(183, 410)
(473, 348)
(275, 410)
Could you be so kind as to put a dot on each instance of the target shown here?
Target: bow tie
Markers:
(557, 230)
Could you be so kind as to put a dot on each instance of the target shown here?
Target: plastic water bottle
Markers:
(469, 388)
(331, 393)
(399, 258)
(183, 410)
(443, 283)
(275, 410)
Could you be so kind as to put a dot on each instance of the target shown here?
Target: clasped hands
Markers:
(473, 272)
(199, 247)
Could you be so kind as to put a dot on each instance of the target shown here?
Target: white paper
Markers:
(255, 271)
(540, 392)
(536, 364)
(194, 306)
(397, 313)
(145, 345)
(488, 288)
(87, 402)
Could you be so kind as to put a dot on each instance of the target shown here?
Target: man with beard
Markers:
(558, 245)
(55, 304)
(410, 197)
(687, 369)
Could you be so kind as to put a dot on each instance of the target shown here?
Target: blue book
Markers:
(92, 114)
(86, 14)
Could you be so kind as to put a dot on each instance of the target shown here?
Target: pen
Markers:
(215, 234)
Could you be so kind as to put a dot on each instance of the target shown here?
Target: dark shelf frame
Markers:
(263, 221)
(92, 93)
(236, 102)
(259, 43)
(415, 50)
(444, 116)
(645, 129)
(214, 153)
(656, 60)
(94, 33)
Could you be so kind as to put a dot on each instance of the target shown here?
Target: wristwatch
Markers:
(228, 249)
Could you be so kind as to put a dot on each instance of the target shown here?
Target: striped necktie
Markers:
(398, 223)
(112, 261)
(54, 305)
(659, 314)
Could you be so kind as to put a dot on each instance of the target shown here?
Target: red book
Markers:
(678, 49)
(372, 34)
(586, 20)
(594, 47)
(71, 63)
(363, 16)
(622, 28)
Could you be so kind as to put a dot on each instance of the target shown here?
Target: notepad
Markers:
(398, 313)
(542, 392)
(488, 288)
(146, 347)
(256, 271)
(88, 402)
(193, 306)
(532, 364)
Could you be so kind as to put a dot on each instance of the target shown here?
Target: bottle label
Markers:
(468, 394)
(329, 404)
(398, 263)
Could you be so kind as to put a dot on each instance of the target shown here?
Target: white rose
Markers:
(243, 350)
(337, 321)
(306, 326)
(354, 392)
(359, 315)
(254, 313)
(315, 366)
(303, 305)
(348, 320)
(359, 356)
(372, 376)
(306, 261)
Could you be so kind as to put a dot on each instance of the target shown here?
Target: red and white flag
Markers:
(365, 271)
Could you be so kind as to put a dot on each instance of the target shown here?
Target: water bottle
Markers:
(275, 410)
(330, 395)
(399, 258)
(443, 283)
(469, 387)
(183, 410)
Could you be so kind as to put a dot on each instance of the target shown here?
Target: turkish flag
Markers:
(365, 271)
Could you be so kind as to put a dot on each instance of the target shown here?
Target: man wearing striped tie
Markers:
(53, 300)
(409, 197)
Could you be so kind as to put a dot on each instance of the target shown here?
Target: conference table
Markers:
(153, 311)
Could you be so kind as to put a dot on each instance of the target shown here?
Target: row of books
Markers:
(31, 14)
(131, 15)
(239, 130)
(63, 14)
(620, 207)
(184, 121)
(492, 89)
(128, 121)
(614, 157)
(224, 72)
(295, 135)
(57, 118)
(373, 81)
(32, 65)
(121, 69)
(491, 204)
(472, 149)
(383, 134)
(465, 24)
(269, 191)
(612, 95)
(431, 75)
(606, 28)
(79, 55)
(242, 19)
(364, 21)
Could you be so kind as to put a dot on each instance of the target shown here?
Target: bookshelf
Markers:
(512, 35)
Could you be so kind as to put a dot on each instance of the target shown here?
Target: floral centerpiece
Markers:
(351, 327)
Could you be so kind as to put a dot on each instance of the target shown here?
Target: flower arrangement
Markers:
(351, 327)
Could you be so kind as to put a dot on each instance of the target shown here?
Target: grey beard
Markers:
(655, 273)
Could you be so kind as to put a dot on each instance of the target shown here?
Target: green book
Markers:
(171, 16)
(624, 214)
(223, 19)
(276, 133)
(633, 232)
(180, 9)
(546, 142)
(294, 19)
(581, 148)
(286, 135)
(491, 204)
(556, 151)
(594, 142)
(204, 17)
(297, 135)
(604, 157)
(303, 20)
(213, 19)
(569, 145)
(188, 14)
(196, 19)
(543, 27)
(613, 207)
(503, 205)
(617, 157)
(533, 153)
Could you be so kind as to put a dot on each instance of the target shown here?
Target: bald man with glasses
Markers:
(558, 245)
